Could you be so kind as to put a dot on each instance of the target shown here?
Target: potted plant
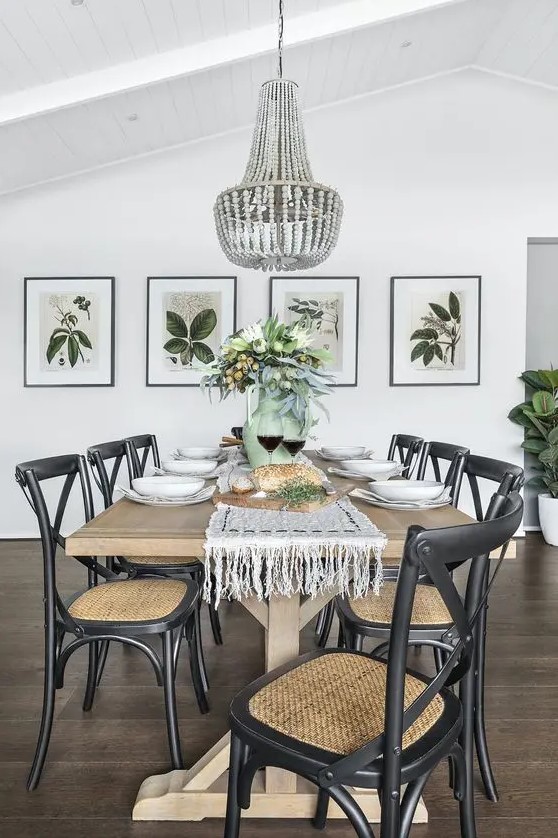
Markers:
(277, 362)
(539, 418)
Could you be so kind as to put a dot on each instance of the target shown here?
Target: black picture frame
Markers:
(325, 279)
(151, 279)
(69, 279)
(393, 280)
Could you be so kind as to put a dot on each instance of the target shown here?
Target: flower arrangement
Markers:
(279, 360)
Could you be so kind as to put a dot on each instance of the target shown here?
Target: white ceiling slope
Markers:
(87, 84)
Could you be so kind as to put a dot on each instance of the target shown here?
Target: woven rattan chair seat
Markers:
(336, 702)
(428, 608)
(135, 600)
(161, 560)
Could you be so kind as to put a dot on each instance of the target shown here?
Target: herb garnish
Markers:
(298, 492)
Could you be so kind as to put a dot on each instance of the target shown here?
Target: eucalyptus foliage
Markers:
(539, 417)
(279, 361)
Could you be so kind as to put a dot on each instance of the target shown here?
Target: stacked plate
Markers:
(367, 469)
(194, 462)
(405, 494)
(168, 490)
(347, 452)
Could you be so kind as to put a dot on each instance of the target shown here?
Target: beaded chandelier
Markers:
(278, 218)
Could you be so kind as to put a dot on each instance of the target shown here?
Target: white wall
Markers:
(542, 334)
(449, 176)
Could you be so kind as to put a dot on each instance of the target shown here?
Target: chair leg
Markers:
(170, 700)
(232, 817)
(198, 642)
(197, 679)
(102, 660)
(466, 740)
(319, 820)
(483, 756)
(214, 616)
(438, 658)
(357, 641)
(328, 612)
(340, 636)
(49, 693)
(91, 677)
(410, 802)
(354, 813)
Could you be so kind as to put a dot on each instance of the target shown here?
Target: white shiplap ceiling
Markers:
(73, 78)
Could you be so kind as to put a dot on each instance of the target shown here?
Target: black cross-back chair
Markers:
(370, 616)
(142, 448)
(105, 460)
(115, 610)
(455, 455)
(511, 476)
(407, 448)
(192, 565)
(378, 724)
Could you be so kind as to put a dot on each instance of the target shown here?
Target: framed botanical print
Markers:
(188, 317)
(435, 330)
(69, 331)
(332, 305)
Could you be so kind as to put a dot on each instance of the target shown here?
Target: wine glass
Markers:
(270, 433)
(293, 445)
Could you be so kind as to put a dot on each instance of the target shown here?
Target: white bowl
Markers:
(372, 468)
(407, 489)
(348, 451)
(200, 453)
(167, 486)
(190, 466)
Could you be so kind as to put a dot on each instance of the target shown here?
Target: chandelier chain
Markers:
(280, 42)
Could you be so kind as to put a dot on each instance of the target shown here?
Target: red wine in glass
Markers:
(270, 443)
(293, 446)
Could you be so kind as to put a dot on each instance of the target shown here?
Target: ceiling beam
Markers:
(241, 46)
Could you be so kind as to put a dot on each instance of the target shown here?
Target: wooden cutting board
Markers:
(248, 501)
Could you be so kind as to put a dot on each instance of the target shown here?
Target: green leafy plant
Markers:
(66, 333)
(187, 342)
(539, 417)
(440, 334)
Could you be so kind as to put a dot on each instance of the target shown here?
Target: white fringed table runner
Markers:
(264, 552)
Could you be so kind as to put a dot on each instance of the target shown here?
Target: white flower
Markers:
(302, 335)
(252, 333)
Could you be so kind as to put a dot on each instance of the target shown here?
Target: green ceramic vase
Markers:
(267, 413)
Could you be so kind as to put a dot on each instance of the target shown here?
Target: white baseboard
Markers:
(532, 529)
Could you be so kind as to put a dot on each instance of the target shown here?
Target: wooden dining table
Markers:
(128, 528)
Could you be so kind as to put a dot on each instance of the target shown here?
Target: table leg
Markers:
(281, 645)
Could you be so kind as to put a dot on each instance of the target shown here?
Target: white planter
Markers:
(548, 517)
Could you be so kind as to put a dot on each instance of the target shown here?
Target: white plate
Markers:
(168, 486)
(197, 453)
(344, 452)
(373, 469)
(355, 475)
(332, 459)
(408, 490)
(402, 506)
(190, 468)
(200, 497)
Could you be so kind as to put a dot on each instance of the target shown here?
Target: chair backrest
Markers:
(436, 550)
(509, 477)
(455, 455)
(140, 448)
(407, 448)
(30, 475)
(106, 460)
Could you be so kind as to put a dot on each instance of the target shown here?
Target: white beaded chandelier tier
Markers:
(278, 218)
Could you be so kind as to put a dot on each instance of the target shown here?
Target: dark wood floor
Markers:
(98, 760)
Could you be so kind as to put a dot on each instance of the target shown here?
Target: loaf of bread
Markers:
(272, 478)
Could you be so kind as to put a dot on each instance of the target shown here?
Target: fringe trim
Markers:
(287, 567)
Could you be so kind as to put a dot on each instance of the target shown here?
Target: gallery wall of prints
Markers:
(437, 200)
